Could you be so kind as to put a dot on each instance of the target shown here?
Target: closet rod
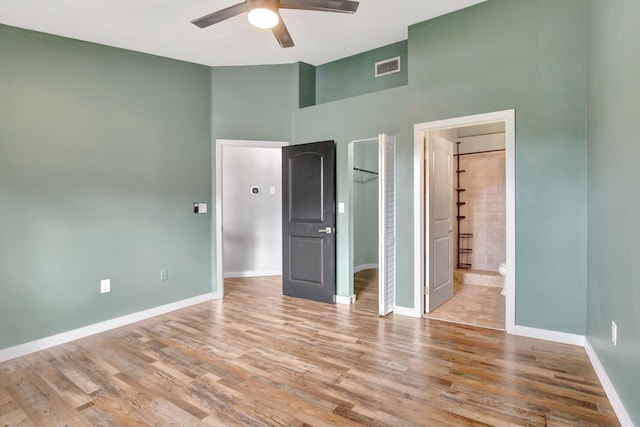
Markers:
(480, 152)
(364, 170)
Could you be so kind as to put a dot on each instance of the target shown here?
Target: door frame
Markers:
(217, 276)
(350, 209)
(420, 130)
(350, 218)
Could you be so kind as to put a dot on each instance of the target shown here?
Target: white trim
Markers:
(96, 328)
(407, 311)
(418, 220)
(609, 389)
(349, 211)
(508, 117)
(361, 267)
(346, 300)
(547, 335)
(510, 205)
(217, 278)
(251, 273)
(387, 223)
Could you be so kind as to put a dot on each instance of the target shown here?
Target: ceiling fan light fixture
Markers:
(263, 17)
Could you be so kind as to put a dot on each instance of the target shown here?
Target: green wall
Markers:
(253, 103)
(530, 56)
(355, 75)
(306, 85)
(613, 153)
(502, 54)
(102, 153)
(357, 118)
(365, 204)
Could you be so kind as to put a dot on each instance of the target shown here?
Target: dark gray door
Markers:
(308, 221)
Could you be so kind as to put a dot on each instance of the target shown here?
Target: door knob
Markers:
(327, 230)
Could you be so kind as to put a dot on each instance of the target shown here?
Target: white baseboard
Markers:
(406, 311)
(609, 389)
(345, 300)
(251, 273)
(555, 336)
(96, 328)
(361, 267)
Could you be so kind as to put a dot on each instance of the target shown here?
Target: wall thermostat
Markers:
(255, 190)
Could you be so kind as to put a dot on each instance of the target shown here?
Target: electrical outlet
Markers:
(614, 333)
(164, 274)
(105, 286)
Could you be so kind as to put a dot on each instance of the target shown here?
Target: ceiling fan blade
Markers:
(282, 34)
(342, 6)
(220, 15)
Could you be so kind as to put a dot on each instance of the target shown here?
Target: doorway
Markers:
(434, 272)
(372, 222)
(247, 194)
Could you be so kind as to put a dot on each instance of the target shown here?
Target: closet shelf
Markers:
(364, 176)
(464, 239)
(365, 171)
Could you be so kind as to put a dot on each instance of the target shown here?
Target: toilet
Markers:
(502, 269)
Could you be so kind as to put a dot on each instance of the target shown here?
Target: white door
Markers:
(387, 223)
(439, 220)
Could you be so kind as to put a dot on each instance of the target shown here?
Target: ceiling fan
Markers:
(265, 14)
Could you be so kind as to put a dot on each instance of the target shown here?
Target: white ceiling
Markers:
(163, 27)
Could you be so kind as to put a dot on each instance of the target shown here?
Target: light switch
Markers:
(272, 190)
(105, 286)
(202, 208)
(341, 207)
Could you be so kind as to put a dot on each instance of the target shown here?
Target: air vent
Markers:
(388, 66)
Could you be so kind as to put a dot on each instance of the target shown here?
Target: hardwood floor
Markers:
(259, 359)
(365, 286)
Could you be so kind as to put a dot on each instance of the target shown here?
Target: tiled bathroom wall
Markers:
(484, 181)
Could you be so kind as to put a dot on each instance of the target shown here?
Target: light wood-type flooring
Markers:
(475, 305)
(260, 359)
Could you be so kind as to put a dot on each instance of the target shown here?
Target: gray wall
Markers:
(102, 153)
(613, 153)
(252, 224)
